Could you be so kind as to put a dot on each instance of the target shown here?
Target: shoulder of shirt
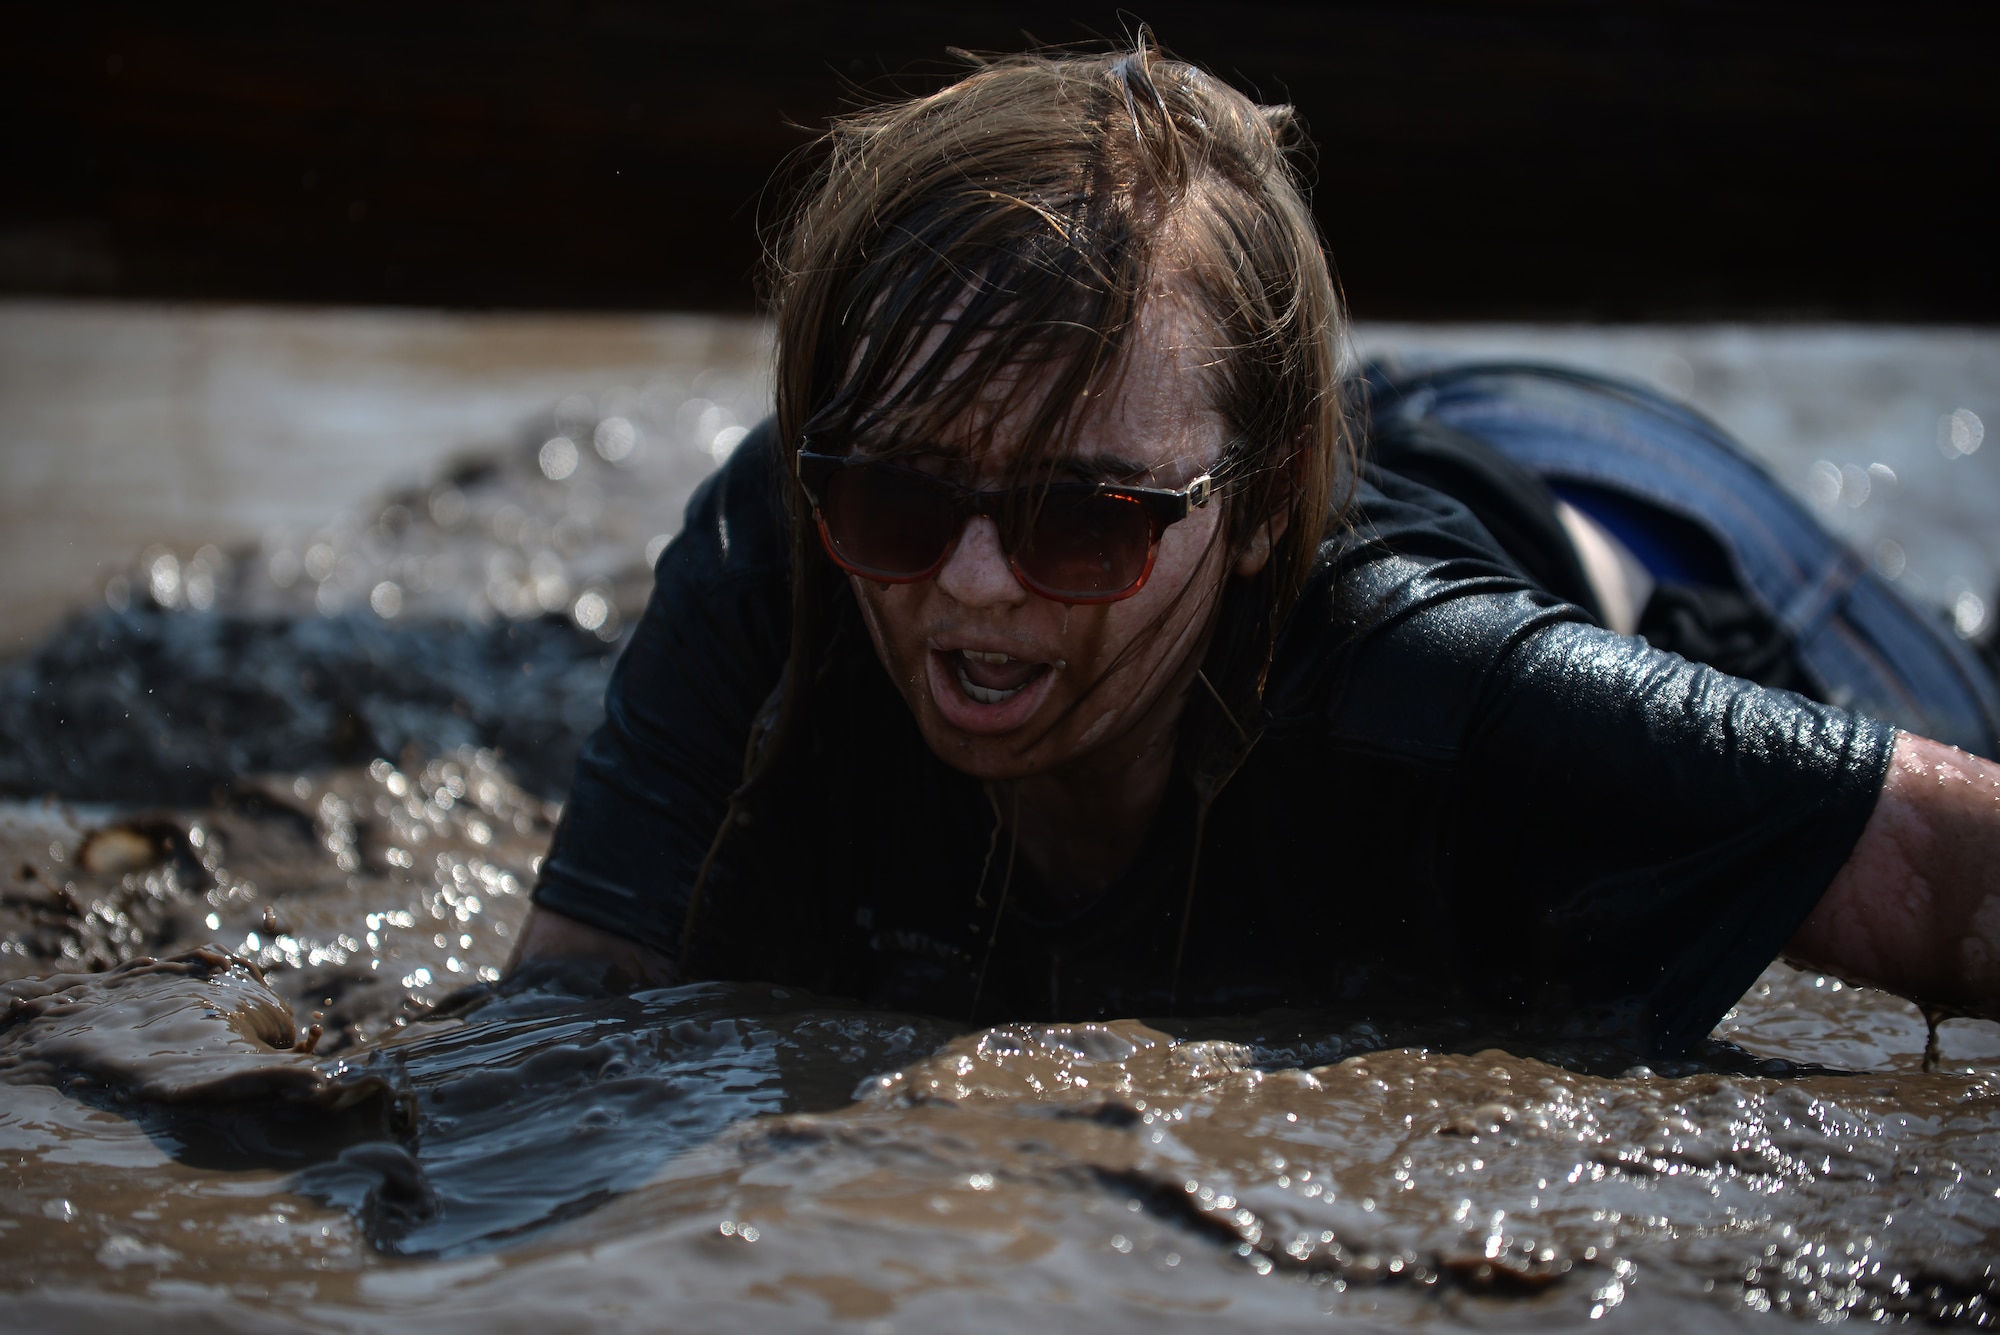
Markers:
(735, 526)
(1410, 609)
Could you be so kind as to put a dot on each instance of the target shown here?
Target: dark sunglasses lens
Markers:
(1086, 545)
(882, 521)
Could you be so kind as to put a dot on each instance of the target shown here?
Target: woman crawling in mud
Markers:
(1054, 651)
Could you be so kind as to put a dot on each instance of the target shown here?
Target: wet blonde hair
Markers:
(1004, 234)
(1027, 212)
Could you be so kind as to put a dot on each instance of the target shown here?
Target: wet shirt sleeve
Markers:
(654, 780)
(1621, 827)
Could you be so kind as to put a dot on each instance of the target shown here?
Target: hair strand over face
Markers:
(1002, 237)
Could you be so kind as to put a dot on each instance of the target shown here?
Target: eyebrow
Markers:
(1096, 464)
(1106, 465)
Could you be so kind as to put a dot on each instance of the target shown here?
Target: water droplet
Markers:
(615, 438)
(163, 577)
(1960, 433)
(1968, 614)
(386, 599)
(725, 441)
(1890, 559)
(1855, 486)
(558, 458)
(449, 508)
(591, 610)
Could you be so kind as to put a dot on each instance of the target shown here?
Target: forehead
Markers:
(1143, 413)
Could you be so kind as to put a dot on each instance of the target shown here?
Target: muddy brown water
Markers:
(754, 1156)
(258, 1068)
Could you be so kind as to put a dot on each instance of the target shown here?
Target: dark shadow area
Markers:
(1602, 1042)
(546, 1104)
(145, 706)
(1653, 161)
(517, 1108)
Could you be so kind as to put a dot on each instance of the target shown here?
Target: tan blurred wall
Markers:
(124, 425)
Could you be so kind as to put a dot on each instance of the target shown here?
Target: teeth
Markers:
(985, 695)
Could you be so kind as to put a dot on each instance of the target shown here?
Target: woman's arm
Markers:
(1916, 908)
(614, 963)
(652, 783)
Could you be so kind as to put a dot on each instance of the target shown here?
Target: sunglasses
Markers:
(1082, 542)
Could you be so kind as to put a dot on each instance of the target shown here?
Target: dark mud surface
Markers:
(257, 1068)
(752, 1156)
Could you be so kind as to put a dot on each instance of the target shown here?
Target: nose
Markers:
(976, 574)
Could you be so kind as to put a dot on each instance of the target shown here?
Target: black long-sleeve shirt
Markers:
(1461, 792)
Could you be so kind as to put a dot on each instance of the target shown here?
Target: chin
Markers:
(989, 757)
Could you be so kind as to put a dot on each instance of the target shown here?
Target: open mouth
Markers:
(987, 692)
(992, 678)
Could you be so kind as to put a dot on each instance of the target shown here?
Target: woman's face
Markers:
(992, 671)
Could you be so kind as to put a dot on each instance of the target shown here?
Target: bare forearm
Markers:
(1916, 909)
(617, 963)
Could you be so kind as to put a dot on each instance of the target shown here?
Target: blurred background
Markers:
(1507, 159)
(270, 276)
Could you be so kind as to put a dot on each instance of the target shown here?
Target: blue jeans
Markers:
(1855, 638)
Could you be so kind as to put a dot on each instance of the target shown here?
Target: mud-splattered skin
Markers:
(1077, 706)
(1917, 909)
